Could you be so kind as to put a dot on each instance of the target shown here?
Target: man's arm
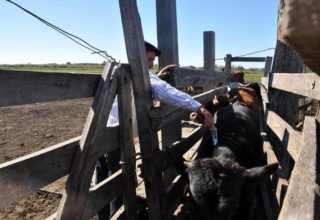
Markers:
(165, 71)
(166, 93)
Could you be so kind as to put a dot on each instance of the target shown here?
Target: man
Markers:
(161, 91)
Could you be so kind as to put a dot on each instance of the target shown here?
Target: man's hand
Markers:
(165, 71)
(208, 119)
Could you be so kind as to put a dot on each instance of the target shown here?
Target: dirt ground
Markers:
(28, 128)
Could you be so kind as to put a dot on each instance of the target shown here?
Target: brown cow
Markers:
(248, 95)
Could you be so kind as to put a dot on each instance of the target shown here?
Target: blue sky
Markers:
(241, 26)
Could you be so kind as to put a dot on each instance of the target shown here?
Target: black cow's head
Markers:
(216, 185)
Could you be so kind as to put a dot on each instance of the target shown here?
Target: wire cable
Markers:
(259, 51)
(72, 37)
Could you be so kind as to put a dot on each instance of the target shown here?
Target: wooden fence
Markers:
(77, 157)
(229, 59)
(164, 189)
(296, 184)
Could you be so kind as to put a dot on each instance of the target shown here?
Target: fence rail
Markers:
(26, 87)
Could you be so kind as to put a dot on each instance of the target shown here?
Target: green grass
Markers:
(252, 76)
(57, 69)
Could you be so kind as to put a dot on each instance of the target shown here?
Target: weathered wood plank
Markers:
(227, 60)
(290, 138)
(267, 66)
(174, 195)
(127, 148)
(178, 150)
(206, 79)
(102, 193)
(306, 84)
(79, 180)
(248, 59)
(165, 114)
(300, 199)
(168, 45)
(209, 55)
(265, 98)
(209, 95)
(143, 102)
(107, 140)
(277, 180)
(21, 176)
(26, 87)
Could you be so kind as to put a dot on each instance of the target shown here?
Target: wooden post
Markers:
(127, 148)
(136, 53)
(209, 51)
(168, 45)
(227, 67)
(267, 66)
(286, 60)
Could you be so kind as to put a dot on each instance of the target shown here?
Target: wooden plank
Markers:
(106, 140)
(178, 149)
(305, 84)
(102, 193)
(79, 180)
(175, 194)
(127, 147)
(168, 45)
(165, 114)
(248, 59)
(277, 180)
(300, 199)
(227, 60)
(209, 95)
(143, 102)
(265, 98)
(187, 77)
(26, 87)
(23, 175)
(290, 138)
(209, 51)
(267, 66)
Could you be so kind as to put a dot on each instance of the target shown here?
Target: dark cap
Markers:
(150, 47)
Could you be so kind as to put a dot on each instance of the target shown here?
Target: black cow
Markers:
(222, 181)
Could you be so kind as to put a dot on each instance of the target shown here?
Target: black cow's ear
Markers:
(258, 174)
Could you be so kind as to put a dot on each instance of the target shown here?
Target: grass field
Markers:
(82, 69)
(250, 76)
(253, 76)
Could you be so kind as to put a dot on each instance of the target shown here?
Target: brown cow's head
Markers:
(217, 103)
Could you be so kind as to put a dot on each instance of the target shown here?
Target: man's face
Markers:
(151, 56)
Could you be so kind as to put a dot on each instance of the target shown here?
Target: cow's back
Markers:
(238, 128)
